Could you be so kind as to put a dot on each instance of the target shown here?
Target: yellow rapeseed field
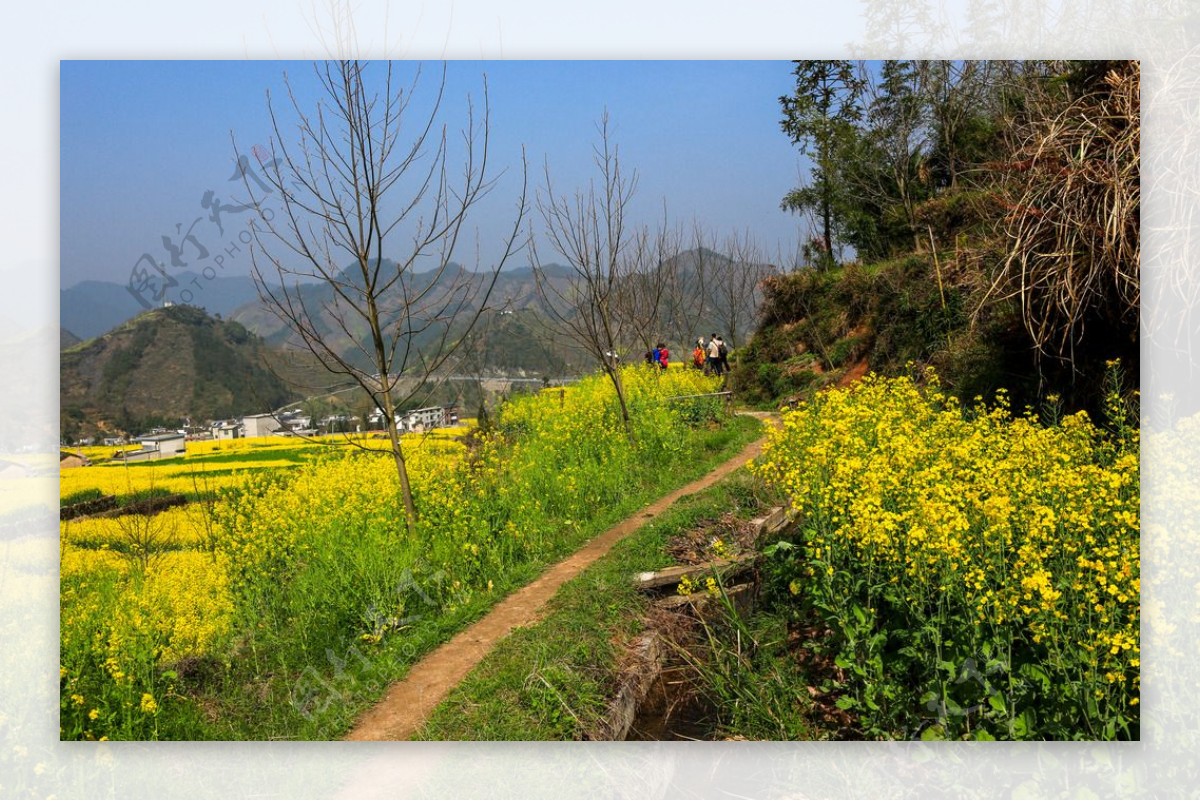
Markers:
(300, 545)
(972, 538)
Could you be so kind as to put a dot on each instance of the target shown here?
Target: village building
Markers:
(296, 422)
(156, 446)
(417, 420)
(260, 425)
(225, 429)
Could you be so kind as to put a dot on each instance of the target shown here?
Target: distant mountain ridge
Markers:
(166, 363)
(516, 291)
(162, 366)
(90, 308)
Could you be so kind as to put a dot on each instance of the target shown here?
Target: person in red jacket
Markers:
(663, 355)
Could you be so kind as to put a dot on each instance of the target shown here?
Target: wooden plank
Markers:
(699, 601)
(772, 522)
(673, 575)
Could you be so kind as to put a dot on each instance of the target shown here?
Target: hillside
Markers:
(161, 367)
(712, 292)
(823, 327)
(819, 328)
(1004, 252)
(90, 308)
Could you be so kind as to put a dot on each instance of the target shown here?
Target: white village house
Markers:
(260, 425)
(422, 419)
(225, 429)
(158, 446)
(418, 420)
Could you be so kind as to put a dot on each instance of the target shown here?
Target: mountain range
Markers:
(125, 367)
(90, 308)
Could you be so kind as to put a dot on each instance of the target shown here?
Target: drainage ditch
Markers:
(656, 698)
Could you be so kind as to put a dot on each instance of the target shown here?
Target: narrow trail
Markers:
(410, 700)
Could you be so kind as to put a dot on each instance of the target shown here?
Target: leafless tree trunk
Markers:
(589, 230)
(372, 212)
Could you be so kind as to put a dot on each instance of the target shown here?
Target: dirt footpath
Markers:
(409, 701)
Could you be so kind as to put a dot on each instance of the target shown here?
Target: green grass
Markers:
(552, 680)
(748, 674)
(249, 458)
(262, 695)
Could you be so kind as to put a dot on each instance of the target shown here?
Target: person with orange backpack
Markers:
(698, 354)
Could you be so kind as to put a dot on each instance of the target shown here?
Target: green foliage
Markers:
(118, 372)
(765, 382)
(751, 680)
(844, 350)
(228, 383)
(552, 680)
(819, 116)
(911, 317)
(963, 214)
(322, 565)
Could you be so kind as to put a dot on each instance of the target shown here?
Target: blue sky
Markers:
(142, 141)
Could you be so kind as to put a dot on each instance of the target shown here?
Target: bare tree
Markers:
(684, 288)
(734, 279)
(372, 211)
(642, 294)
(589, 230)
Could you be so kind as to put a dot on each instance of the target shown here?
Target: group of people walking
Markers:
(712, 358)
(658, 357)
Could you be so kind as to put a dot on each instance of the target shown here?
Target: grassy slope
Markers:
(552, 680)
(322, 702)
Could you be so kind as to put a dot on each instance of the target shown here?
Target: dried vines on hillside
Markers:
(1072, 190)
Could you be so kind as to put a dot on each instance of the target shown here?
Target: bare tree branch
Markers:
(365, 172)
(596, 309)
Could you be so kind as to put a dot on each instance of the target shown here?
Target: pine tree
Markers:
(820, 117)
